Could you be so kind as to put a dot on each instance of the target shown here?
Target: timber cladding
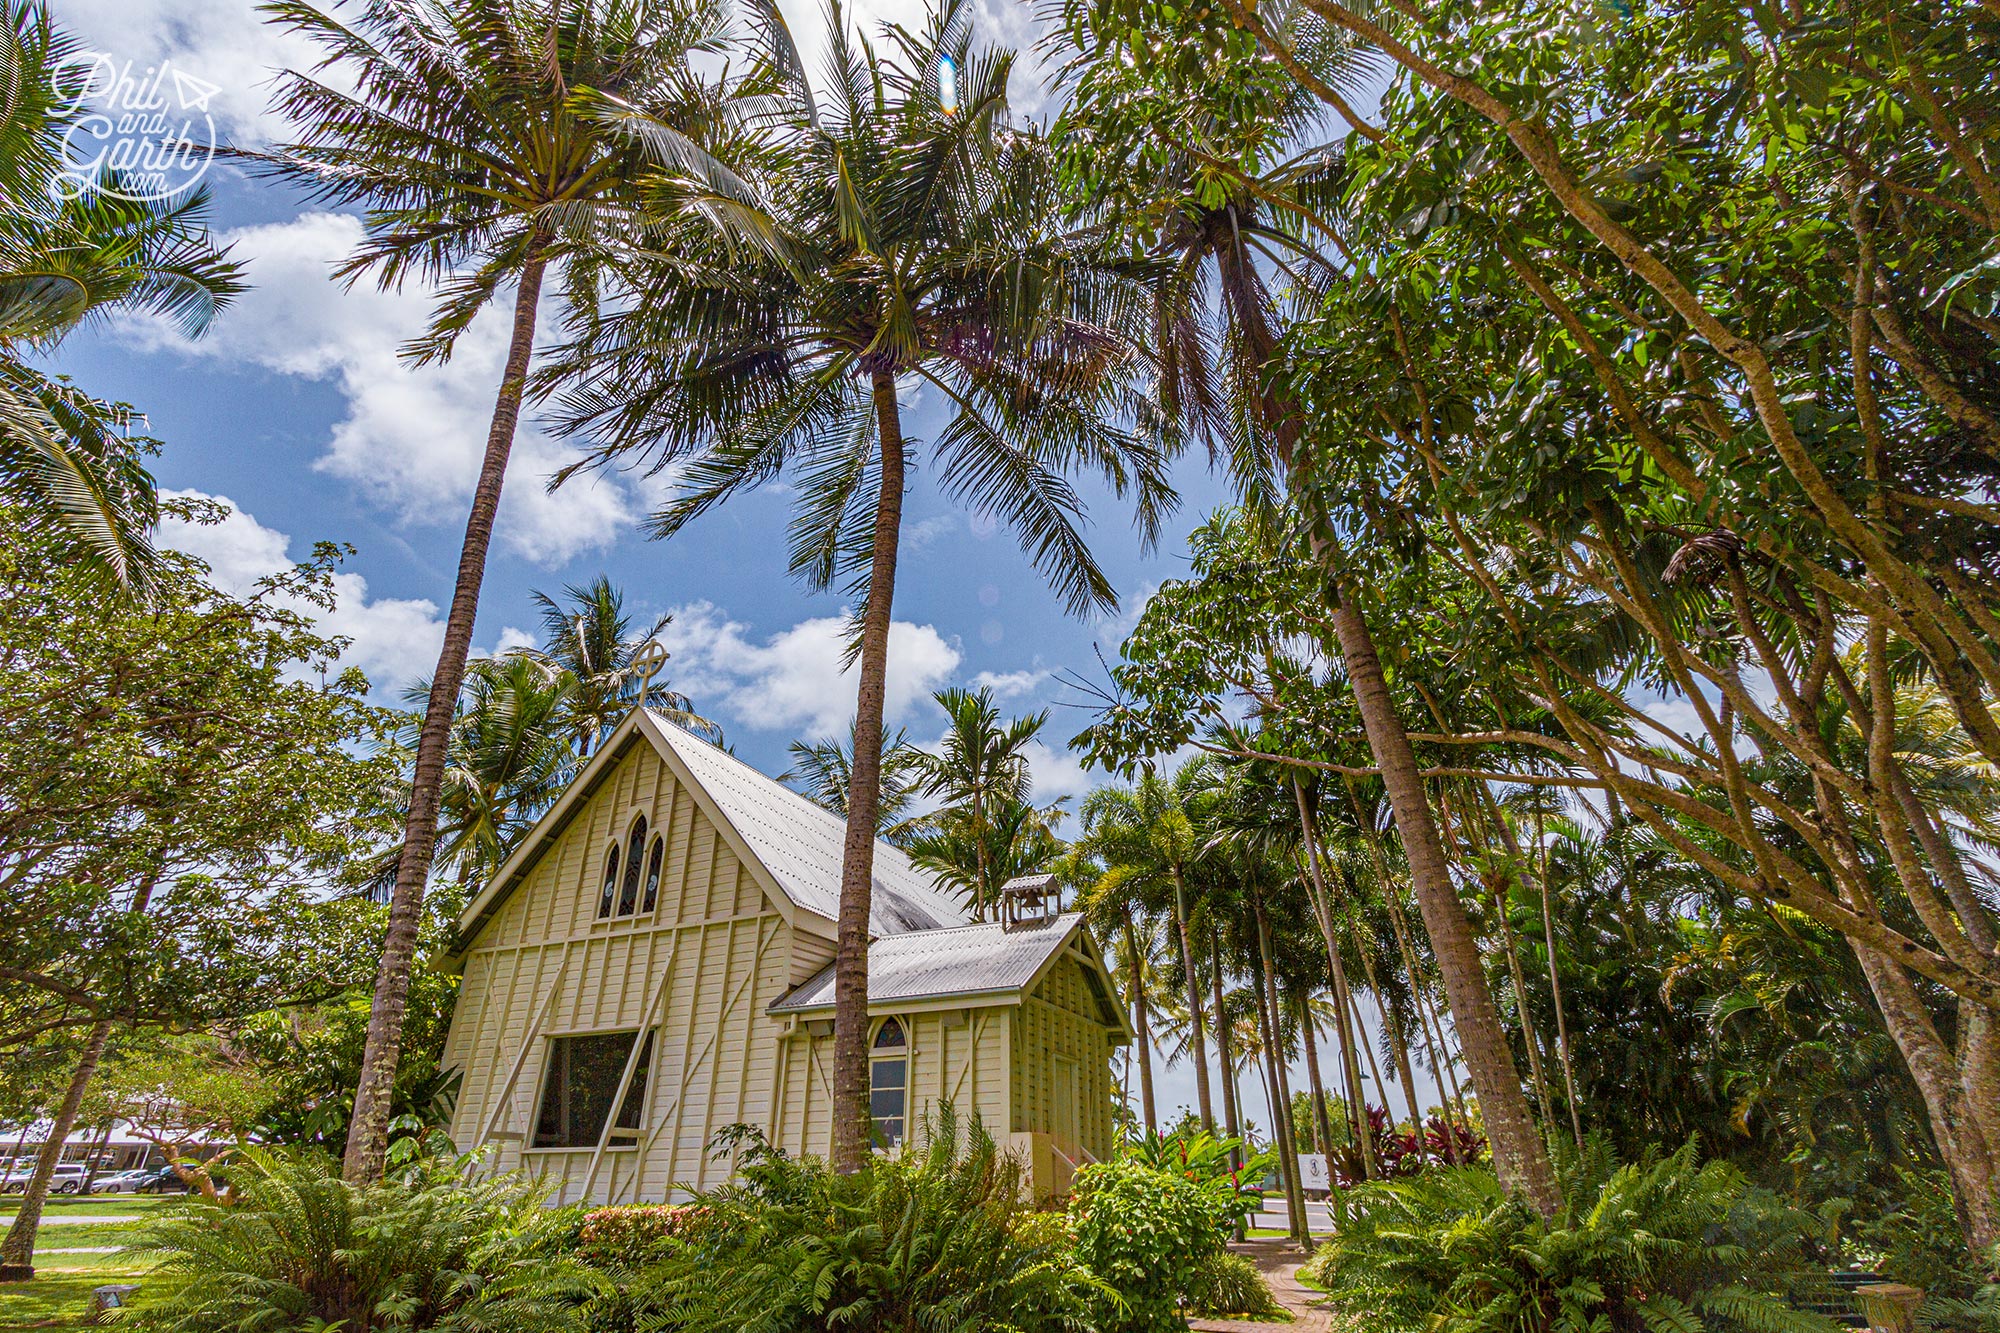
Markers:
(559, 987)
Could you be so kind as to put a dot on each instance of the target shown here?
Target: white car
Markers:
(69, 1178)
(117, 1182)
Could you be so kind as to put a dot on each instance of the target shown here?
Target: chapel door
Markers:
(1066, 1135)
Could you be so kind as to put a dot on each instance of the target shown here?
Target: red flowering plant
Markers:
(636, 1233)
(1396, 1149)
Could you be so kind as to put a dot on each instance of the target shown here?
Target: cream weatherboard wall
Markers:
(1062, 1065)
(1012, 1024)
(701, 969)
(957, 1054)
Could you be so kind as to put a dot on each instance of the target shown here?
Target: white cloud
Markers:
(1058, 773)
(924, 533)
(394, 640)
(413, 439)
(225, 42)
(1009, 684)
(792, 680)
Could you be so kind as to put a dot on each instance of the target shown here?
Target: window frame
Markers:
(609, 868)
(631, 1138)
(899, 1054)
(655, 874)
(632, 868)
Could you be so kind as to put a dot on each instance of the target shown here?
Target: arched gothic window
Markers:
(889, 1083)
(610, 884)
(653, 864)
(635, 851)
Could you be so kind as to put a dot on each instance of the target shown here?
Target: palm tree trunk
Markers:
(1267, 996)
(1518, 1151)
(1142, 1030)
(1519, 1154)
(17, 1252)
(1368, 1050)
(1322, 1125)
(1197, 1047)
(1399, 1050)
(1555, 981)
(1357, 1110)
(851, 1122)
(368, 1128)
(1499, 886)
(1225, 1065)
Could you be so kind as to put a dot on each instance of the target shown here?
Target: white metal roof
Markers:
(802, 844)
(978, 959)
(797, 845)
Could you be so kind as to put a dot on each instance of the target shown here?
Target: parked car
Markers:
(119, 1182)
(160, 1180)
(69, 1178)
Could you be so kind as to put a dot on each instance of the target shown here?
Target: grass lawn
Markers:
(55, 1299)
(59, 1297)
(98, 1205)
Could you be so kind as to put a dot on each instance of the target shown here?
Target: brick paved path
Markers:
(1278, 1261)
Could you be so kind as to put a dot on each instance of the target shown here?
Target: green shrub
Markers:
(1142, 1231)
(929, 1239)
(1920, 1242)
(303, 1249)
(1045, 1232)
(1661, 1246)
(1229, 1284)
(1208, 1160)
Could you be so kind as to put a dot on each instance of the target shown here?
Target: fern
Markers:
(302, 1249)
(1666, 1244)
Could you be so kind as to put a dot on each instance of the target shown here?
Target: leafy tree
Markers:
(70, 257)
(477, 139)
(893, 242)
(180, 780)
(181, 1091)
(1222, 190)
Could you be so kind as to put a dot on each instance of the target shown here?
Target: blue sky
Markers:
(296, 409)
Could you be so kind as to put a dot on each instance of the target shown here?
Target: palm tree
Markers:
(588, 636)
(1147, 839)
(1010, 837)
(510, 758)
(896, 242)
(823, 772)
(1235, 200)
(68, 258)
(476, 137)
(981, 776)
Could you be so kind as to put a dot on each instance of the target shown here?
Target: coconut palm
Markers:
(980, 774)
(477, 139)
(1236, 192)
(823, 772)
(1146, 835)
(510, 759)
(898, 242)
(588, 636)
(976, 853)
(68, 258)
